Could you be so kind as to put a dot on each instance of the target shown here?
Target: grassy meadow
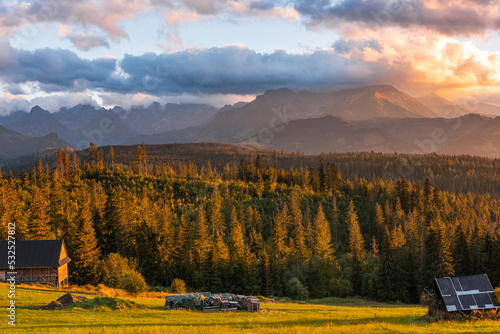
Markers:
(149, 316)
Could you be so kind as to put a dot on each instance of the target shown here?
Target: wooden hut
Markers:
(465, 293)
(38, 261)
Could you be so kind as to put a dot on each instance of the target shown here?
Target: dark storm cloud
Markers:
(454, 17)
(57, 70)
(227, 70)
(239, 70)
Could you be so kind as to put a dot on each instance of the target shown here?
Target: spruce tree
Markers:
(379, 223)
(217, 224)
(356, 240)
(334, 222)
(218, 260)
(182, 249)
(438, 256)
(86, 255)
(165, 240)
(300, 253)
(236, 237)
(356, 246)
(461, 252)
(112, 157)
(39, 217)
(321, 247)
(267, 278)
(203, 239)
(394, 277)
(281, 249)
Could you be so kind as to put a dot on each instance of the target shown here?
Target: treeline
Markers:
(252, 227)
(464, 174)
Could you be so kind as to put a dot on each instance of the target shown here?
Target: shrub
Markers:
(113, 268)
(497, 292)
(178, 286)
(119, 273)
(340, 287)
(106, 291)
(296, 290)
(133, 282)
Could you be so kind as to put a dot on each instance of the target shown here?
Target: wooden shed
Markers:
(465, 293)
(38, 261)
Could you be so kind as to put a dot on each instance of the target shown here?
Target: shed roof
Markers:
(35, 254)
(466, 293)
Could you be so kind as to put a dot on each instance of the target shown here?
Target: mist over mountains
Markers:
(81, 124)
(375, 118)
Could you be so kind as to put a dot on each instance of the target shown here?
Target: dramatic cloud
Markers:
(228, 70)
(105, 14)
(452, 17)
(428, 60)
(407, 43)
(57, 70)
(54, 102)
(438, 61)
(104, 17)
(413, 44)
(239, 70)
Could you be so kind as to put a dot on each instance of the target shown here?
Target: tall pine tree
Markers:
(39, 226)
(86, 255)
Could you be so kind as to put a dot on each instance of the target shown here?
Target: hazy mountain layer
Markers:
(14, 144)
(273, 108)
(376, 118)
(470, 134)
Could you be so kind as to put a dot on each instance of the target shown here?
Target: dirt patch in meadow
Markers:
(63, 302)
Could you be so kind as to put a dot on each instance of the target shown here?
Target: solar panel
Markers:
(466, 293)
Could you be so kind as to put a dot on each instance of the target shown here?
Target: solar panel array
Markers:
(467, 293)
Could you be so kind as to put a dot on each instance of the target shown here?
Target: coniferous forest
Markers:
(264, 223)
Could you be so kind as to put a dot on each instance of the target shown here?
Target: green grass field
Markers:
(151, 317)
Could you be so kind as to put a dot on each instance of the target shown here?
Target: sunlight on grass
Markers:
(274, 318)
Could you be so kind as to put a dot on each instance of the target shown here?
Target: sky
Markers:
(58, 53)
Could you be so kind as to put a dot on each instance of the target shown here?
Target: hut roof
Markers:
(466, 293)
(35, 254)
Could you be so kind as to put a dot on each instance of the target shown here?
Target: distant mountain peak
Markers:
(156, 105)
(279, 92)
(38, 110)
(441, 106)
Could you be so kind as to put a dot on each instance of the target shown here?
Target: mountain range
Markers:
(470, 134)
(84, 123)
(374, 118)
(14, 144)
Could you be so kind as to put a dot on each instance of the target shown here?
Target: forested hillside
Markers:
(270, 224)
(461, 173)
